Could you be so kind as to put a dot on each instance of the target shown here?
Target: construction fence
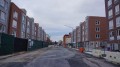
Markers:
(10, 44)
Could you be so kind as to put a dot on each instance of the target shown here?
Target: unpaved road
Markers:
(54, 57)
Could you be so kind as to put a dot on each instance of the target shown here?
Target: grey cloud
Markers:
(52, 15)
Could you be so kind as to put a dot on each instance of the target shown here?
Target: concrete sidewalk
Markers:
(10, 55)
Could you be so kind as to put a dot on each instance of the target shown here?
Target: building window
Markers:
(23, 27)
(22, 35)
(118, 22)
(2, 28)
(118, 32)
(6, 6)
(97, 36)
(14, 24)
(97, 22)
(109, 3)
(23, 19)
(35, 33)
(2, 15)
(28, 24)
(117, 9)
(28, 30)
(110, 13)
(2, 3)
(14, 33)
(15, 15)
(97, 29)
(111, 34)
(111, 24)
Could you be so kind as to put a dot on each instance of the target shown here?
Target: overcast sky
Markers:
(52, 15)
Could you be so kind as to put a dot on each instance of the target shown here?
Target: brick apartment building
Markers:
(78, 36)
(44, 35)
(32, 28)
(17, 21)
(40, 33)
(66, 39)
(4, 15)
(23, 23)
(14, 21)
(82, 31)
(113, 19)
(94, 31)
(36, 28)
(29, 28)
(73, 36)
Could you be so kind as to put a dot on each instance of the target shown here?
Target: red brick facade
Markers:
(36, 28)
(65, 39)
(113, 19)
(15, 21)
(95, 31)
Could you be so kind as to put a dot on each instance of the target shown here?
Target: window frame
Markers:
(97, 29)
(110, 13)
(118, 21)
(97, 36)
(97, 22)
(118, 32)
(15, 15)
(109, 3)
(117, 9)
(2, 15)
(14, 24)
(2, 28)
(111, 26)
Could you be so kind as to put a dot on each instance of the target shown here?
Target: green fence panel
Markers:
(34, 44)
(6, 44)
(45, 44)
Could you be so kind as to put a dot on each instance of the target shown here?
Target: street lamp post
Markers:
(69, 27)
(72, 30)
